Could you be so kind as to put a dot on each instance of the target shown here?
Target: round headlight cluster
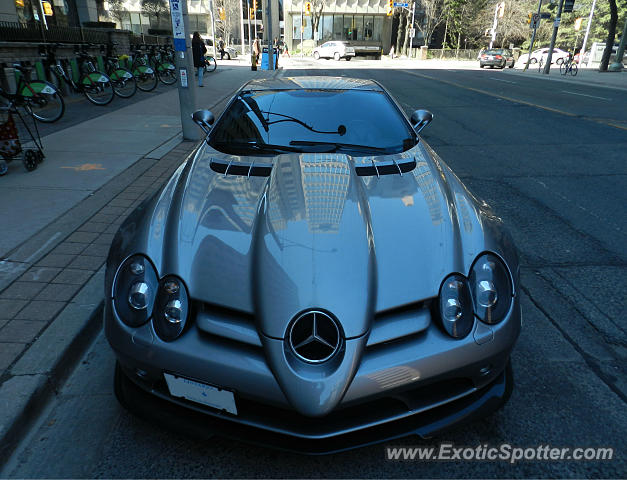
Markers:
(138, 296)
(170, 308)
(486, 293)
(134, 291)
(491, 288)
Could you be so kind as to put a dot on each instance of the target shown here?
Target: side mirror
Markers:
(204, 119)
(420, 119)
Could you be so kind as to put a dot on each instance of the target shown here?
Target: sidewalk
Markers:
(58, 223)
(587, 76)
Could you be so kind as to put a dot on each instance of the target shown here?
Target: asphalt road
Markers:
(552, 164)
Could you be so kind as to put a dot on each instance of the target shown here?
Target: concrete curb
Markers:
(48, 363)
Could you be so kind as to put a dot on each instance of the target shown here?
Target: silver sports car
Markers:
(313, 277)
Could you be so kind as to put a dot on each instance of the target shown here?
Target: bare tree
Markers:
(432, 12)
(117, 11)
(157, 9)
(317, 6)
(225, 26)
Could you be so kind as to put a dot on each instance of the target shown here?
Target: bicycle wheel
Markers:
(210, 64)
(97, 87)
(563, 69)
(43, 100)
(573, 69)
(124, 83)
(146, 78)
(167, 73)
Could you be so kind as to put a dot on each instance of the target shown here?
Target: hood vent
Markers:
(387, 167)
(259, 169)
(242, 169)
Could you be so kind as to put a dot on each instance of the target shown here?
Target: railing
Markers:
(23, 32)
(142, 39)
(452, 54)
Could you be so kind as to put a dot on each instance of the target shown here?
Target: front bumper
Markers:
(192, 420)
(419, 384)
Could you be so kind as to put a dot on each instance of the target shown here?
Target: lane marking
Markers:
(586, 95)
(514, 100)
(501, 80)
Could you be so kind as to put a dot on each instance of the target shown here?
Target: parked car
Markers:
(497, 57)
(335, 50)
(314, 277)
(558, 57)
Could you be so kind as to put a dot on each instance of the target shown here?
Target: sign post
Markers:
(533, 36)
(185, 66)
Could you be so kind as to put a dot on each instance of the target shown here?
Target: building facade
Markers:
(363, 22)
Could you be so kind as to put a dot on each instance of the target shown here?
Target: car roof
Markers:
(312, 83)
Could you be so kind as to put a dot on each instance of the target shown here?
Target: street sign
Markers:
(412, 32)
(557, 21)
(401, 4)
(178, 29)
(47, 7)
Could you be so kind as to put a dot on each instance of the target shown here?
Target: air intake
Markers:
(242, 169)
(387, 167)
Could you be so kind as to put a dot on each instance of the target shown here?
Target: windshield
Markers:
(356, 122)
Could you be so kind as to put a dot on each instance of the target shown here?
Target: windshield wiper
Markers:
(259, 147)
(342, 146)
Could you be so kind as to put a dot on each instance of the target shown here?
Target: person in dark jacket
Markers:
(198, 52)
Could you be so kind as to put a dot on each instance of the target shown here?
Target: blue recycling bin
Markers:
(264, 58)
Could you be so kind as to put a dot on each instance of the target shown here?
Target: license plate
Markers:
(201, 393)
(490, 57)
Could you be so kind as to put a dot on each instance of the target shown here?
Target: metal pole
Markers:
(267, 18)
(533, 37)
(241, 18)
(556, 26)
(185, 67)
(617, 66)
(302, 28)
(255, 21)
(250, 38)
(585, 38)
(494, 24)
(213, 28)
(413, 12)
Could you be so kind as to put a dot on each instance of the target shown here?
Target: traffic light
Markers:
(568, 5)
(307, 8)
(529, 16)
(251, 13)
(255, 5)
(222, 13)
(390, 8)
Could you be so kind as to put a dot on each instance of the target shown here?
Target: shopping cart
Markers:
(18, 138)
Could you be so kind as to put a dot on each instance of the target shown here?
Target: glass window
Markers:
(348, 26)
(326, 25)
(337, 27)
(358, 27)
(281, 117)
(378, 28)
(368, 26)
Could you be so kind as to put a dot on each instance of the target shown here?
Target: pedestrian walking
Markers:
(256, 53)
(198, 54)
(221, 48)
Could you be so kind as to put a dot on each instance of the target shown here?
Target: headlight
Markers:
(171, 308)
(491, 288)
(134, 290)
(456, 306)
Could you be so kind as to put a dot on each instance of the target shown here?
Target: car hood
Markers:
(312, 234)
(323, 232)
